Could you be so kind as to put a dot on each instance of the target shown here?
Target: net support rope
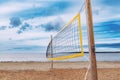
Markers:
(88, 67)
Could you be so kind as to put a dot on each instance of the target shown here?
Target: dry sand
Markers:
(61, 71)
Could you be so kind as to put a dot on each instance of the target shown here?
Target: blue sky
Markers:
(26, 25)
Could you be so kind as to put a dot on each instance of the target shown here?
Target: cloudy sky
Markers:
(26, 25)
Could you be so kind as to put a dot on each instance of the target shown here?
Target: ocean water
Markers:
(22, 57)
(100, 57)
(41, 57)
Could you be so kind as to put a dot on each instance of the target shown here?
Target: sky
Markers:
(26, 25)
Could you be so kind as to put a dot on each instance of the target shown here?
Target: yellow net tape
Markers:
(68, 42)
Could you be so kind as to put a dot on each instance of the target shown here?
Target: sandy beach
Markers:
(61, 71)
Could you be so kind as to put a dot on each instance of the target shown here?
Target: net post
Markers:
(51, 53)
(93, 66)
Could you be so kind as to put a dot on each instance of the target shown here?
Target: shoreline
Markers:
(44, 66)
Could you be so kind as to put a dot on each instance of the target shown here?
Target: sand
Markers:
(61, 71)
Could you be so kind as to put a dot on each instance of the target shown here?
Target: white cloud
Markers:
(7, 34)
(40, 20)
(27, 38)
(107, 49)
(10, 39)
(41, 42)
(107, 41)
(12, 7)
(4, 21)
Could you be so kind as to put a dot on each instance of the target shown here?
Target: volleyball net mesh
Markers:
(68, 41)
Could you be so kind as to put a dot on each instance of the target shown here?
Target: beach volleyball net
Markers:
(67, 43)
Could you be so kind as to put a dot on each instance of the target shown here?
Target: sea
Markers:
(20, 57)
